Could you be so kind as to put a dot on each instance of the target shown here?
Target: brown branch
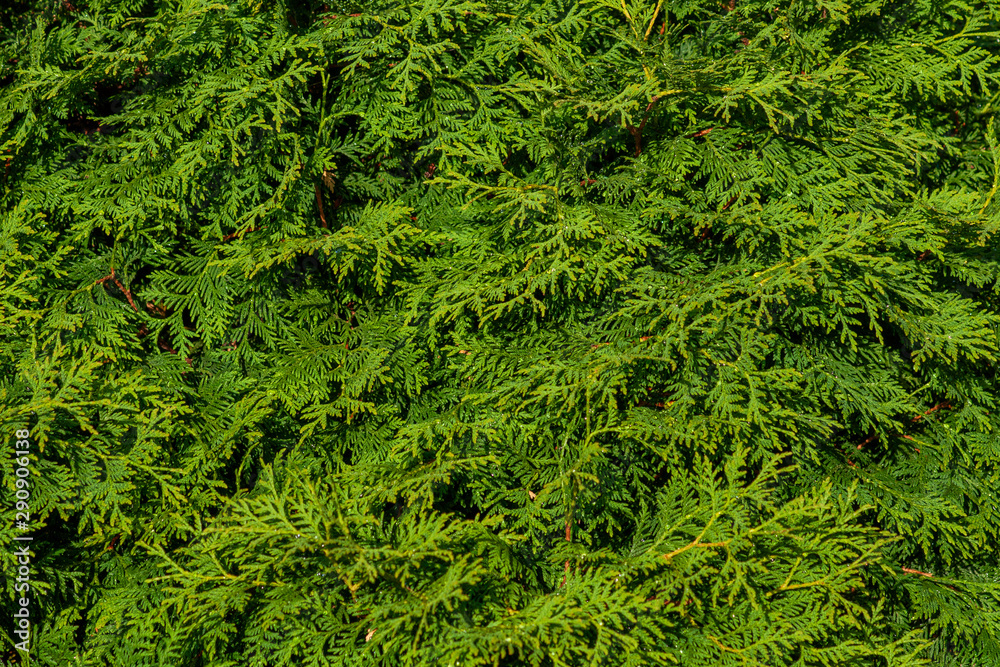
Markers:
(943, 405)
(636, 132)
(230, 237)
(165, 346)
(637, 137)
(156, 309)
(867, 440)
(922, 574)
(645, 115)
(662, 406)
(112, 277)
(959, 124)
(937, 407)
(319, 202)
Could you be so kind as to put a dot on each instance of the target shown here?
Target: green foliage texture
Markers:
(504, 332)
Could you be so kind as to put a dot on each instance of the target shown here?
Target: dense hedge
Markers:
(527, 332)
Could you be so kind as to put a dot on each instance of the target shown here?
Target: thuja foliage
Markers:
(517, 332)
